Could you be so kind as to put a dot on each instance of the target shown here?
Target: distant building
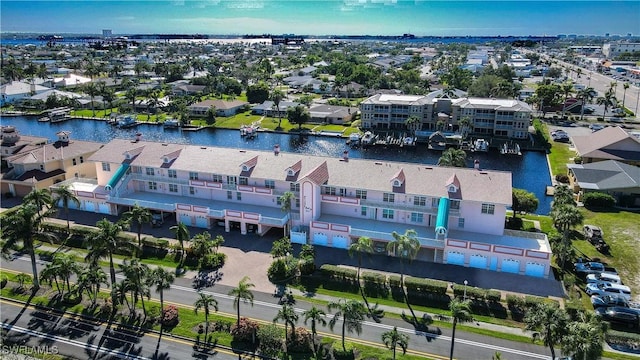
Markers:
(107, 33)
(612, 50)
(17, 90)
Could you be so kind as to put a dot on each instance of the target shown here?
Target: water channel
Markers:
(530, 171)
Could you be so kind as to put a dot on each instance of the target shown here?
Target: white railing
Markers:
(426, 242)
(216, 213)
(265, 220)
(166, 179)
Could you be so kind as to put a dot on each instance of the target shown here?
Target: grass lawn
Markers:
(559, 155)
(236, 121)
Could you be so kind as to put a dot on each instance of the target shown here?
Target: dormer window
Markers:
(397, 183)
(245, 168)
(290, 172)
(452, 189)
(165, 159)
(127, 155)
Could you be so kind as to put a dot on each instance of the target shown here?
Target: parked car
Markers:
(585, 268)
(608, 301)
(158, 218)
(604, 277)
(609, 289)
(620, 315)
(595, 127)
(591, 231)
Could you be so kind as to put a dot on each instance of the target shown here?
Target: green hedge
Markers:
(620, 338)
(493, 295)
(472, 292)
(425, 285)
(598, 200)
(338, 273)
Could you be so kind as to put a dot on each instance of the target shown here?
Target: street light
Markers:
(464, 297)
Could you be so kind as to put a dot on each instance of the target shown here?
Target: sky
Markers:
(323, 17)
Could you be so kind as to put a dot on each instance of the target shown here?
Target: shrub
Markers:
(515, 301)
(245, 331)
(105, 308)
(577, 159)
(598, 200)
(531, 301)
(282, 269)
(472, 292)
(270, 337)
(338, 273)
(170, 316)
(425, 285)
(212, 261)
(340, 354)
(493, 295)
(374, 284)
(307, 265)
(302, 342)
(222, 325)
(562, 178)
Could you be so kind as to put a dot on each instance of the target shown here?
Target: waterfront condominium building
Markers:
(438, 110)
(457, 213)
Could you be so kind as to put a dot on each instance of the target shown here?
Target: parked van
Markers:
(604, 277)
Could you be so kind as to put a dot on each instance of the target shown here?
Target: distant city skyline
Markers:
(328, 17)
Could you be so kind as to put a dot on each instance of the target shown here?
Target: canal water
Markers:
(530, 171)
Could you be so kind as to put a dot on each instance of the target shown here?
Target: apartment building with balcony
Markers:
(489, 117)
(458, 214)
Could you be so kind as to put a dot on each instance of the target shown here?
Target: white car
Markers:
(604, 277)
(604, 288)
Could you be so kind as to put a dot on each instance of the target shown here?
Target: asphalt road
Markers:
(468, 345)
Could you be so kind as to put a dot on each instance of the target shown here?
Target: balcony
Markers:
(424, 241)
(171, 207)
(157, 178)
(400, 206)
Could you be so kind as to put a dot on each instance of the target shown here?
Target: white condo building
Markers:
(458, 213)
(496, 117)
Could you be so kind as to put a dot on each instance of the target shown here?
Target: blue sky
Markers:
(325, 17)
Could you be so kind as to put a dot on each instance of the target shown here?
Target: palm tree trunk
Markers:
(238, 322)
(344, 322)
(161, 300)
(394, 352)
(144, 309)
(406, 296)
(34, 268)
(453, 337)
(112, 271)
(66, 210)
(206, 329)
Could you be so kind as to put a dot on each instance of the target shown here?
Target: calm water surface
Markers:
(530, 171)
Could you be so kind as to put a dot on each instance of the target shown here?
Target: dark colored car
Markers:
(608, 301)
(620, 315)
(584, 268)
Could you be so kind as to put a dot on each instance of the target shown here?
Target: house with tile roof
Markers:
(223, 107)
(610, 143)
(612, 177)
(458, 214)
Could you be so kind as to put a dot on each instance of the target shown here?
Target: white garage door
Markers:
(89, 206)
(202, 222)
(185, 219)
(478, 261)
(104, 208)
(511, 266)
(298, 237)
(534, 269)
(340, 242)
(320, 239)
(455, 258)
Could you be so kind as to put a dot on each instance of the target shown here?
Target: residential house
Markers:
(610, 143)
(268, 108)
(620, 180)
(15, 91)
(330, 114)
(458, 214)
(223, 107)
(11, 142)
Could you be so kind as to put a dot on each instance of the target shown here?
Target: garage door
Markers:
(185, 219)
(320, 239)
(340, 242)
(202, 222)
(104, 208)
(478, 261)
(534, 269)
(455, 258)
(298, 237)
(510, 266)
(70, 204)
(89, 206)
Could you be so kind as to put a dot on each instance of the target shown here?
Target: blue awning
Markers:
(117, 176)
(442, 222)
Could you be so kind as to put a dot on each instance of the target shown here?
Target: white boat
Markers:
(367, 138)
(510, 150)
(249, 131)
(480, 145)
(171, 123)
(354, 140)
(126, 121)
(44, 119)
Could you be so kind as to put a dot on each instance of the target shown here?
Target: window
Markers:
(239, 195)
(417, 217)
(243, 181)
(329, 190)
(343, 192)
(420, 200)
(361, 194)
(149, 171)
(270, 184)
(488, 209)
(454, 204)
(229, 195)
(153, 185)
(192, 190)
(41, 167)
(386, 197)
(387, 214)
(294, 187)
(297, 203)
(173, 188)
(217, 178)
(193, 175)
(81, 159)
(363, 211)
(435, 202)
(232, 180)
(461, 223)
(74, 161)
(106, 166)
(172, 173)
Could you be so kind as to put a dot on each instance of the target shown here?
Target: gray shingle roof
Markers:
(606, 175)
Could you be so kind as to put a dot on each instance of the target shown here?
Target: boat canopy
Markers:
(117, 176)
(442, 222)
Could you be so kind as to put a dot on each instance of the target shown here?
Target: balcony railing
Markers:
(265, 220)
(400, 206)
(165, 179)
(143, 203)
(426, 242)
(216, 213)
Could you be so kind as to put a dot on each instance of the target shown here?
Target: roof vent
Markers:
(428, 168)
(165, 144)
(378, 163)
(243, 151)
(483, 172)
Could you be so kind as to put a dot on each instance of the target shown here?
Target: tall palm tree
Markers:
(625, 86)
(162, 279)
(586, 95)
(453, 157)
(140, 216)
(207, 303)
(65, 266)
(392, 339)
(38, 197)
(288, 315)
(466, 126)
(242, 292)
(92, 90)
(585, 337)
(201, 244)
(460, 312)
(89, 280)
(605, 101)
(565, 217)
(276, 96)
(182, 234)
(352, 313)
(286, 200)
(562, 195)
(63, 196)
(104, 243)
(136, 274)
(413, 124)
(566, 89)
(405, 246)
(317, 317)
(547, 323)
(364, 245)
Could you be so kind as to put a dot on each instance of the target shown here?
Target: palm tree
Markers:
(547, 323)
(465, 125)
(162, 279)
(202, 245)
(364, 245)
(605, 101)
(39, 198)
(298, 115)
(352, 313)
(586, 95)
(276, 96)
(413, 124)
(104, 243)
(453, 157)
(405, 246)
(288, 315)
(64, 266)
(207, 303)
(92, 91)
(138, 215)
(584, 338)
(317, 317)
(90, 279)
(182, 234)
(565, 217)
(63, 196)
(625, 86)
(392, 339)
(286, 200)
(562, 195)
(137, 277)
(566, 89)
(460, 312)
(242, 292)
